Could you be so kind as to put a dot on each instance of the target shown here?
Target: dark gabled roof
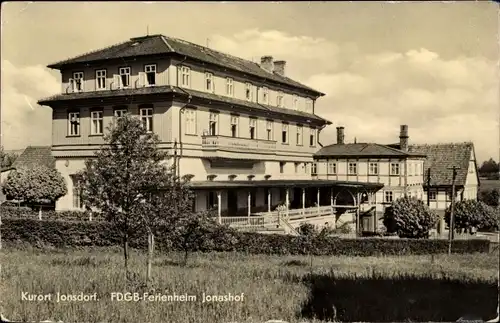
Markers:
(163, 45)
(441, 157)
(362, 150)
(129, 94)
(35, 155)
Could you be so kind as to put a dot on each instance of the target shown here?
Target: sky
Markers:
(430, 65)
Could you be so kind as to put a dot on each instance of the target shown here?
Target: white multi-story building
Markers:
(245, 131)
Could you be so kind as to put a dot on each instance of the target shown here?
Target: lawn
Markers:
(295, 288)
(489, 184)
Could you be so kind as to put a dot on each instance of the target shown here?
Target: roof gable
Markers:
(163, 45)
(442, 157)
(35, 155)
(360, 150)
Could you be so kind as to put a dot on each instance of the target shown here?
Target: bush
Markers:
(217, 238)
(307, 229)
(490, 197)
(409, 217)
(26, 212)
(473, 214)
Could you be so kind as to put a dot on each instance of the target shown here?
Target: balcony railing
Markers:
(237, 144)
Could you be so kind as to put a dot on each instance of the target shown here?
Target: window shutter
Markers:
(142, 79)
(117, 81)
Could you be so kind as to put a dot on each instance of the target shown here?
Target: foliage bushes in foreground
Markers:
(409, 217)
(61, 234)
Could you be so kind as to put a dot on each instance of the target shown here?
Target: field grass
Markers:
(416, 288)
(489, 184)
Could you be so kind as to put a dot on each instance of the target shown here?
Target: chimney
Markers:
(340, 135)
(266, 62)
(403, 138)
(279, 67)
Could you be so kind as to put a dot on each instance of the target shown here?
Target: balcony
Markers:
(232, 147)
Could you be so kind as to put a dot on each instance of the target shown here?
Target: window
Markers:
(77, 192)
(373, 169)
(388, 197)
(253, 128)
(229, 87)
(74, 123)
(394, 169)
(150, 74)
(280, 100)
(295, 102)
(284, 133)
(124, 77)
(432, 195)
(409, 194)
(96, 122)
(248, 91)
(265, 95)
(269, 129)
(305, 168)
(299, 134)
(309, 106)
(185, 76)
(77, 82)
(147, 119)
(332, 168)
(234, 126)
(190, 115)
(410, 169)
(212, 124)
(282, 167)
(314, 168)
(312, 137)
(100, 79)
(296, 165)
(119, 113)
(209, 82)
(352, 168)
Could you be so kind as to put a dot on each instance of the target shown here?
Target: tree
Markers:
(489, 167)
(129, 182)
(6, 159)
(35, 185)
(473, 214)
(409, 217)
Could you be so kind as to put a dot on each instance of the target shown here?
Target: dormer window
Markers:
(248, 91)
(209, 82)
(77, 82)
(309, 106)
(185, 76)
(265, 95)
(124, 77)
(280, 100)
(229, 86)
(100, 79)
(150, 71)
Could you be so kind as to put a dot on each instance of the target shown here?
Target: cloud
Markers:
(24, 122)
(442, 100)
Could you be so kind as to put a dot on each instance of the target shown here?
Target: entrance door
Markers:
(232, 202)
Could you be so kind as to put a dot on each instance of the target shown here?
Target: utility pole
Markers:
(429, 187)
(451, 233)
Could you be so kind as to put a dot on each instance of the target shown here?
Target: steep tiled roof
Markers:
(163, 45)
(35, 155)
(441, 157)
(360, 150)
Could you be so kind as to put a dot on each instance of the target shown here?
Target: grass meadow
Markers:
(294, 288)
(489, 184)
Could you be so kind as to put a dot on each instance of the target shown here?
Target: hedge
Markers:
(26, 212)
(66, 234)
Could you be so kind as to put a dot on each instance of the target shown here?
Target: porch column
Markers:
(304, 203)
(358, 205)
(219, 207)
(318, 198)
(249, 202)
(333, 213)
(375, 220)
(287, 202)
(269, 201)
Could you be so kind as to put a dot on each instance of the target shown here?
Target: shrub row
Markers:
(26, 212)
(63, 234)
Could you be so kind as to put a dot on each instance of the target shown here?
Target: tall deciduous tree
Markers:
(35, 185)
(130, 183)
(6, 159)
(489, 167)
